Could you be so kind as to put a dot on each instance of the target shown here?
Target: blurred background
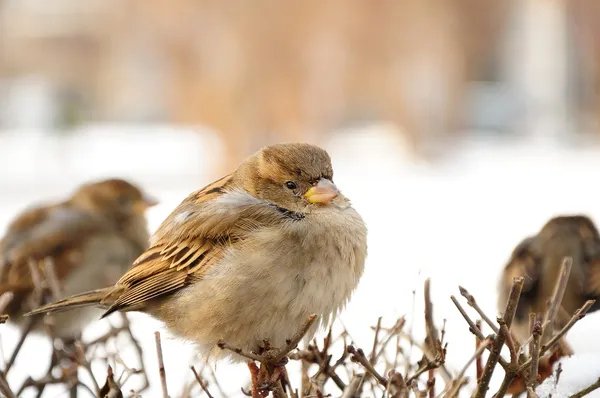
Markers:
(457, 127)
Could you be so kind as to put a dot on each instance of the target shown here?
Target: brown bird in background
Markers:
(249, 257)
(89, 240)
(539, 258)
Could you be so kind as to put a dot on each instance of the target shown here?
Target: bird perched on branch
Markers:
(248, 257)
(539, 258)
(83, 243)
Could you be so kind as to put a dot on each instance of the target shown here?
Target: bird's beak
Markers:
(143, 204)
(324, 192)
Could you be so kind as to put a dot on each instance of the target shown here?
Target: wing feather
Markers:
(192, 240)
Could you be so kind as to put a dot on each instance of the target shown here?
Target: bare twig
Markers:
(514, 357)
(51, 278)
(250, 355)
(358, 355)
(512, 370)
(5, 300)
(161, 366)
(5, 388)
(458, 380)
(373, 355)
(397, 385)
(473, 328)
(83, 362)
(509, 313)
(580, 313)
(433, 334)
(29, 325)
(279, 353)
(534, 352)
(138, 350)
(556, 300)
(478, 364)
(202, 384)
(393, 332)
(473, 303)
(353, 387)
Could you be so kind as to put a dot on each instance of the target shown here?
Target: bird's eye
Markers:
(123, 200)
(290, 184)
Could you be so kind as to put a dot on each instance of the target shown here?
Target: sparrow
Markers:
(90, 239)
(539, 258)
(247, 258)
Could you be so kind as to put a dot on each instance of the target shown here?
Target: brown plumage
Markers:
(539, 258)
(91, 238)
(249, 256)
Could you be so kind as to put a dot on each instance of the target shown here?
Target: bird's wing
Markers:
(53, 232)
(191, 240)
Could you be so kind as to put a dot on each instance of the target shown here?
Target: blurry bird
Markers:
(89, 240)
(247, 258)
(539, 258)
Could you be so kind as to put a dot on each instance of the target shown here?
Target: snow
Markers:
(455, 221)
(579, 371)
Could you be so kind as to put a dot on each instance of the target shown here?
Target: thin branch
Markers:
(514, 357)
(292, 343)
(534, 352)
(81, 359)
(478, 364)
(5, 300)
(509, 313)
(428, 366)
(161, 366)
(456, 383)
(357, 355)
(471, 301)
(511, 372)
(138, 350)
(394, 331)
(373, 355)
(249, 355)
(557, 296)
(5, 388)
(473, 328)
(353, 387)
(51, 278)
(29, 325)
(432, 333)
(580, 313)
(202, 385)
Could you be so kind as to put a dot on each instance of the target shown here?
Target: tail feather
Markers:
(86, 299)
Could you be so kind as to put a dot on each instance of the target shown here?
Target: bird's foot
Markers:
(257, 379)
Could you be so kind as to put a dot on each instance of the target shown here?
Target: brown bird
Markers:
(90, 240)
(539, 258)
(248, 257)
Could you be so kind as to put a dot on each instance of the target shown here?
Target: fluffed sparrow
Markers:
(90, 239)
(248, 257)
(539, 258)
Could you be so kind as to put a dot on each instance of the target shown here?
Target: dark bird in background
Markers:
(90, 240)
(539, 258)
